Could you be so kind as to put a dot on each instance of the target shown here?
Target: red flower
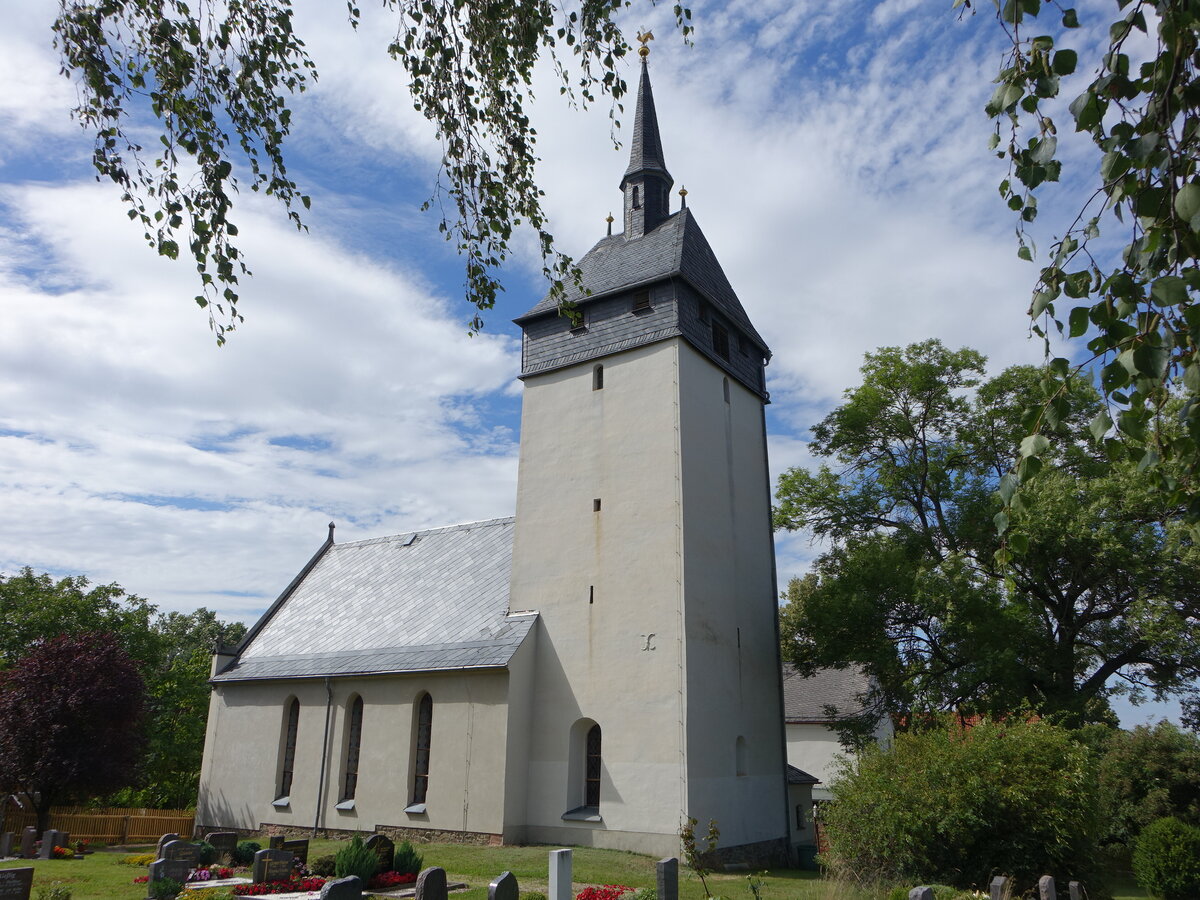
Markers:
(608, 892)
(385, 880)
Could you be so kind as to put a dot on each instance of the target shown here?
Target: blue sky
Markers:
(835, 155)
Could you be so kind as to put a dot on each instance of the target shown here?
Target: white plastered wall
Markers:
(814, 748)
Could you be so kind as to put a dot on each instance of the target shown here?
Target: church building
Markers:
(589, 672)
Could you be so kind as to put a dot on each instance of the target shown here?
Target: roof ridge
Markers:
(443, 529)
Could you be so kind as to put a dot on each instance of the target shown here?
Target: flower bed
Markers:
(291, 886)
(63, 853)
(385, 880)
(607, 892)
(210, 872)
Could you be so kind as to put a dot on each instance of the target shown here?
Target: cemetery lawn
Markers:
(100, 877)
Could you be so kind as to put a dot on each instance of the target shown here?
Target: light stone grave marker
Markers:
(28, 839)
(384, 848)
(560, 875)
(6, 844)
(47, 849)
(998, 887)
(921, 893)
(348, 888)
(431, 884)
(504, 888)
(1046, 889)
(16, 884)
(1075, 889)
(667, 877)
(271, 865)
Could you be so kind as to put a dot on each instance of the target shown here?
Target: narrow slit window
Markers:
(591, 789)
(353, 746)
(291, 728)
(641, 301)
(598, 378)
(596, 505)
(725, 388)
(421, 767)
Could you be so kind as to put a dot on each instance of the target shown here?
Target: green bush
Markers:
(356, 859)
(56, 891)
(649, 893)
(207, 853)
(1166, 859)
(955, 806)
(408, 861)
(163, 889)
(244, 854)
(323, 865)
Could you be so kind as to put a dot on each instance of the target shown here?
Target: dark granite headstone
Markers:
(16, 884)
(175, 869)
(63, 839)
(184, 851)
(6, 844)
(504, 888)
(298, 848)
(667, 872)
(998, 889)
(1046, 889)
(275, 842)
(28, 840)
(921, 893)
(271, 865)
(47, 848)
(431, 884)
(385, 849)
(348, 888)
(224, 843)
(1075, 889)
(162, 842)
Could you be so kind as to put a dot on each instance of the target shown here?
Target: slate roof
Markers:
(799, 776)
(675, 248)
(645, 149)
(427, 600)
(805, 699)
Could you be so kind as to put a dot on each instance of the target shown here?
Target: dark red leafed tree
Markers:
(70, 711)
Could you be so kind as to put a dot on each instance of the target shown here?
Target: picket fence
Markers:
(112, 825)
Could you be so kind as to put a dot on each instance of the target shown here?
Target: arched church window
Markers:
(353, 745)
(591, 789)
(597, 378)
(290, 728)
(421, 764)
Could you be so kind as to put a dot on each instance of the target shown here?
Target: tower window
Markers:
(353, 745)
(637, 197)
(641, 301)
(598, 378)
(596, 505)
(720, 339)
(591, 789)
(420, 787)
(725, 387)
(290, 729)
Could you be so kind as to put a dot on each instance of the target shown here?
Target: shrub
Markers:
(206, 852)
(356, 859)
(1166, 859)
(323, 865)
(56, 891)
(649, 893)
(956, 805)
(244, 854)
(407, 861)
(165, 889)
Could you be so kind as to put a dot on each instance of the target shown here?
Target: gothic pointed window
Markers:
(420, 787)
(591, 789)
(353, 745)
(290, 728)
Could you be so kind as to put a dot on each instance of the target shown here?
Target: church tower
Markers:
(643, 541)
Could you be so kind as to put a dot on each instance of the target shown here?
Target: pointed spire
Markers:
(645, 152)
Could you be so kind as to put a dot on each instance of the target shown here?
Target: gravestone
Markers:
(162, 842)
(6, 844)
(16, 884)
(921, 893)
(383, 847)
(224, 843)
(1046, 889)
(275, 842)
(998, 889)
(348, 888)
(1075, 889)
(504, 888)
(182, 851)
(299, 849)
(175, 869)
(47, 849)
(271, 865)
(431, 884)
(667, 876)
(28, 839)
(560, 875)
(63, 839)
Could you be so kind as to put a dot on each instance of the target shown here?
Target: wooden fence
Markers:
(112, 826)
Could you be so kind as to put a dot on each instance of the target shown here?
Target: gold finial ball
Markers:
(609, 220)
(683, 192)
(645, 38)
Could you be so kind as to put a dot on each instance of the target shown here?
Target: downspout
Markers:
(324, 755)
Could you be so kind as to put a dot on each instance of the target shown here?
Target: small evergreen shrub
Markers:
(56, 891)
(407, 861)
(323, 865)
(244, 854)
(1166, 859)
(356, 859)
(207, 853)
(163, 889)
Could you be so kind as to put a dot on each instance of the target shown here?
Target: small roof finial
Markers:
(644, 51)
(683, 197)
(331, 527)
(609, 220)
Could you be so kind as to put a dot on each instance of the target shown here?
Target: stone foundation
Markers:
(759, 855)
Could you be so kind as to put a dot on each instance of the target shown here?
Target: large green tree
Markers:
(911, 586)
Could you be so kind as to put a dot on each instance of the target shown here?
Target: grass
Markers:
(100, 876)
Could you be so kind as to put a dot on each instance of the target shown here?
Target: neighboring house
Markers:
(812, 738)
(589, 672)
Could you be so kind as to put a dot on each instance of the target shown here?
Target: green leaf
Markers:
(1008, 485)
(1034, 445)
(1001, 520)
(1018, 542)
(1023, 253)
(1101, 425)
(1065, 61)
(1079, 321)
(1070, 19)
(1187, 201)
(1169, 290)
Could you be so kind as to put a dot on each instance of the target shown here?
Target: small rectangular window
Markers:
(596, 505)
(641, 301)
(720, 339)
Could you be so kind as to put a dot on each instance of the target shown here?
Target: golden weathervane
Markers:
(644, 51)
